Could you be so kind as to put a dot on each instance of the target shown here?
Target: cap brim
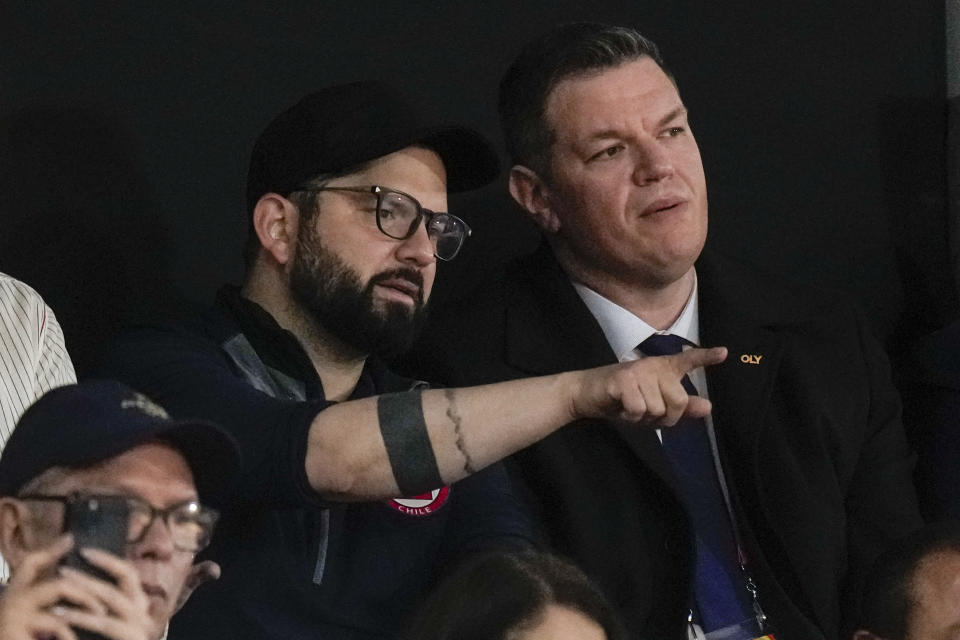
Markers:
(77, 426)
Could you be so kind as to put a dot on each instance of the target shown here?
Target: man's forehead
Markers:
(941, 566)
(148, 471)
(936, 585)
(592, 98)
(416, 170)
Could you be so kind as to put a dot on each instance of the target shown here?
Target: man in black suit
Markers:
(759, 519)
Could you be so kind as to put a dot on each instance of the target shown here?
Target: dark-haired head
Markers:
(500, 595)
(565, 51)
(913, 590)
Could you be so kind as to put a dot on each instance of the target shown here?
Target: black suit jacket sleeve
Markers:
(880, 503)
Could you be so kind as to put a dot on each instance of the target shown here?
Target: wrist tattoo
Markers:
(408, 445)
(457, 422)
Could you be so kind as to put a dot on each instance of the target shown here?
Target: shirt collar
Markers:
(624, 330)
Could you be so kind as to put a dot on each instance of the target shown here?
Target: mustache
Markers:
(410, 275)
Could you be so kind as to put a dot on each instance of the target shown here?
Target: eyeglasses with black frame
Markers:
(190, 523)
(399, 215)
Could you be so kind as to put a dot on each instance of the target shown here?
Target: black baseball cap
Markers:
(80, 425)
(339, 128)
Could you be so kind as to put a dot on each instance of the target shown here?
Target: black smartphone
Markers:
(100, 523)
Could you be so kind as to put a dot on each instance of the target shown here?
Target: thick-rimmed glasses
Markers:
(399, 215)
(190, 524)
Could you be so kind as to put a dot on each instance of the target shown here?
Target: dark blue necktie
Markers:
(721, 594)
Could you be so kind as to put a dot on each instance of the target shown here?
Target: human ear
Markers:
(15, 540)
(275, 220)
(201, 572)
(532, 194)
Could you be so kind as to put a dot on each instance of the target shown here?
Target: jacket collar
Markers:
(280, 350)
(549, 330)
(548, 327)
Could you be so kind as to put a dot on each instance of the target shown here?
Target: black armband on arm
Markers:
(408, 444)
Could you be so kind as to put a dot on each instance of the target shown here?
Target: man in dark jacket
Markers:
(352, 493)
(102, 462)
(762, 516)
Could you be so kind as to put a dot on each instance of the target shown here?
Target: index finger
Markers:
(691, 359)
(119, 568)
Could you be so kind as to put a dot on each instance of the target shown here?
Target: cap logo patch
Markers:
(145, 405)
(423, 504)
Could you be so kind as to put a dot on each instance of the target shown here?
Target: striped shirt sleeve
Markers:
(33, 356)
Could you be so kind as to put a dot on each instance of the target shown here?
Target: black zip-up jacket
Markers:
(295, 566)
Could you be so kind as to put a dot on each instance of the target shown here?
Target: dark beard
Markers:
(331, 291)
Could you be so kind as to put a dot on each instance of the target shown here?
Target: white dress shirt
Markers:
(625, 331)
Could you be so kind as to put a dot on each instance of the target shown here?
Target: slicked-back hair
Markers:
(567, 50)
(494, 596)
(889, 597)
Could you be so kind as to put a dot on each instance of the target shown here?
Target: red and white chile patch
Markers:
(423, 504)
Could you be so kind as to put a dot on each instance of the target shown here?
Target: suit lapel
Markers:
(741, 387)
(550, 330)
(548, 327)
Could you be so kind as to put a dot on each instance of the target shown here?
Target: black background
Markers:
(125, 130)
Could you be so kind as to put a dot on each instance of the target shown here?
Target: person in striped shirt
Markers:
(33, 357)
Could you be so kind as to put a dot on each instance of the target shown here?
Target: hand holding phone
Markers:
(33, 604)
(115, 611)
(28, 600)
(96, 523)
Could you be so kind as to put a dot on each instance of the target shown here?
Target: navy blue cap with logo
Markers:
(80, 425)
